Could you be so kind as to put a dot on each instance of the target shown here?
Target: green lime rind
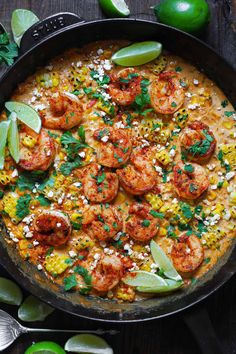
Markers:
(25, 114)
(163, 261)
(33, 309)
(191, 17)
(171, 286)
(137, 53)
(10, 292)
(115, 8)
(13, 138)
(88, 343)
(4, 127)
(45, 347)
(21, 20)
(144, 279)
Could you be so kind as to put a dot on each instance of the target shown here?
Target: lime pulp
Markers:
(4, 126)
(144, 279)
(26, 114)
(10, 292)
(21, 20)
(171, 286)
(137, 53)
(115, 8)
(87, 343)
(13, 138)
(33, 309)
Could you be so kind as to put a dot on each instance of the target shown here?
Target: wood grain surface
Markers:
(170, 335)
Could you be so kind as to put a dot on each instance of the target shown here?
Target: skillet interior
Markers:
(179, 43)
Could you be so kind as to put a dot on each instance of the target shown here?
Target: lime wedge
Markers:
(21, 20)
(137, 53)
(114, 8)
(171, 286)
(88, 343)
(26, 114)
(10, 293)
(164, 262)
(45, 347)
(4, 126)
(33, 309)
(13, 138)
(144, 279)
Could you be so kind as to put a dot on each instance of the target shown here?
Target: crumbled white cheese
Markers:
(72, 254)
(39, 267)
(105, 138)
(230, 175)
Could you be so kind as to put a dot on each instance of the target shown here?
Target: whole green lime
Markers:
(188, 15)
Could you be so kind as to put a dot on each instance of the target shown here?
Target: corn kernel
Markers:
(228, 124)
(9, 203)
(162, 231)
(155, 201)
(211, 195)
(219, 208)
(56, 264)
(83, 242)
(213, 180)
(74, 217)
(29, 141)
(125, 293)
(181, 117)
(4, 178)
(120, 198)
(163, 157)
(232, 198)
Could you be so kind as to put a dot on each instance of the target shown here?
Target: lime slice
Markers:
(13, 138)
(88, 343)
(45, 347)
(21, 20)
(115, 8)
(4, 126)
(26, 114)
(10, 293)
(33, 309)
(144, 279)
(171, 286)
(137, 53)
(164, 262)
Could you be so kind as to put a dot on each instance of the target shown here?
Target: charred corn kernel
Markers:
(164, 208)
(233, 212)
(218, 209)
(232, 198)
(228, 124)
(9, 202)
(211, 195)
(68, 205)
(212, 238)
(155, 201)
(48, 80)
(29, 141)
(213, 179)
(162, 231)
(83, 242)
(125, 293)
(4, 178)
(139, 248)
(229, 151)
(74, 217)
(120, 198)
(158, 65)
(163, 157)
(61, 155)
(23, 248)
(181, 117)
(56, 264)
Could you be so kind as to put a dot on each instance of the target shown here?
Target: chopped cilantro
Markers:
(69, 282)
(229, 113)
(87, 90)
(76, 225)
(143, 99)
(106, 228)
(207, 260)
(156, 214)
(178, 69)
(186, 210)
(220, 184)
(198, 209)
(188, 168)
(183, 83)
(1, 194)
(76, 92)
(145, 223)
(192, 187)
(43, 201)
(171, 232)
(96, 77)
(100, 218)
(69, 261)
(101, 178)
(83, 272)
(22, 206)
(8, 50)
(81, 133)
(173, 104)
(224, 103)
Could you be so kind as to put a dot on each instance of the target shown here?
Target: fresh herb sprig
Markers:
(8, 49)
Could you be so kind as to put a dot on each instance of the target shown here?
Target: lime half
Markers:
(4, 126)
(13, 138)
(46, 347)
(144, 279)
(115, 8)
(10, 293)
(164, 262)
(21, 20)
(137, 53)
(26, 114)
(88, 343)
(33, 309)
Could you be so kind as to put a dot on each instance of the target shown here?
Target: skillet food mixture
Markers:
(125, 156)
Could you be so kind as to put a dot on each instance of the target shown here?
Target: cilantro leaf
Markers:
(70, 282)
(43, 201)
(22, 206)
(8, 50)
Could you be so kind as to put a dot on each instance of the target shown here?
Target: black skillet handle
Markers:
(199, 323)
(47, 27)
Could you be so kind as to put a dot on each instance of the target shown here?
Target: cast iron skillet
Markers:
(45, 40)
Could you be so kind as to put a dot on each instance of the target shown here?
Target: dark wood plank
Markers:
(166, 336)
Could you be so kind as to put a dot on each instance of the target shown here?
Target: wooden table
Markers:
(167, 336)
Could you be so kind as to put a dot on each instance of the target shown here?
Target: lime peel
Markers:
(163, 261)
(13, 138)
(21, 20)
(10, 292)
(137, 54)
(115, 8)
(88, 343)
(4, 127)
(25, 114)
(45, 347)
(33, 309)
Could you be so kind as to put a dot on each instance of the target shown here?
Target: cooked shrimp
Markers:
(190, 180)
(64, 113)
(139, 176)
(141, 225)
(51, 227)
(197, 142)
(187, 253)
(99, 186)
(125, 86)
(166, 94)
(102, 222)
(41, 155)
(115, 146)
(107, 274)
